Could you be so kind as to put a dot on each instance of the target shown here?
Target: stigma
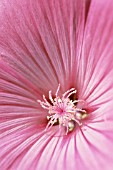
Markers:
(63, 111)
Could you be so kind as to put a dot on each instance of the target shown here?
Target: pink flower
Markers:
(56, 85)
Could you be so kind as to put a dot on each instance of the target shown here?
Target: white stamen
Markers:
(64, 95)
(62, 110)
(57, 90)
(50, 97)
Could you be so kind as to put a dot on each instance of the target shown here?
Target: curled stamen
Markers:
(73, 92)
(66, 93)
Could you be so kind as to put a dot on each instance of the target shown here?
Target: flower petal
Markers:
(47, 49)
(95, 66)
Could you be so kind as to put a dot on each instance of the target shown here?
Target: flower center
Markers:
(63, 111)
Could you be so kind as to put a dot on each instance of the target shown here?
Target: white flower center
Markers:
(63, 111)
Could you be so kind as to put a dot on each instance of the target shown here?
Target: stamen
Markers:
(64, 95)
(50, 97)
(48, 104)
(73, 92)
(57, 90)
(63, 111)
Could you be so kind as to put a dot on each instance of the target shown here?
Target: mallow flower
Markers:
(56, 85)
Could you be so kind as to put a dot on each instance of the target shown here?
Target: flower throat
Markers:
(63, 111)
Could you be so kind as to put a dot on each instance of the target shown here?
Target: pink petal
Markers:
(47, 49)
(36, 46)
(94, 77)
